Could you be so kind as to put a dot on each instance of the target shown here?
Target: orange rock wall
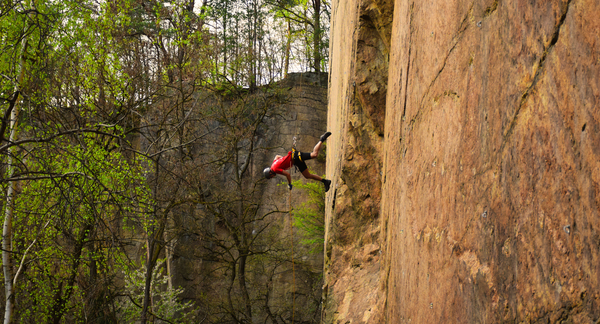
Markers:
(478, 201)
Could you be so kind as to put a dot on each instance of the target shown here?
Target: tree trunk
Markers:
(7, 227)
(169, 257)
(60, 299)
(232, 311)
(7, 231)
(243, 285)
(288, 49)
(148, 281)
(151, 260)
(317, 35)
(253, 40)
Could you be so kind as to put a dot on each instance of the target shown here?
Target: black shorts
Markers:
(299, 158)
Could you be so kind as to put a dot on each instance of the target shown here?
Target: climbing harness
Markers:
(295, 154)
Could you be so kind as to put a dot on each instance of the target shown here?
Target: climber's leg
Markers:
(308, 175)
(317, 147)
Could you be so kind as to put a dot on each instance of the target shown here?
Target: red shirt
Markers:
(283, 163)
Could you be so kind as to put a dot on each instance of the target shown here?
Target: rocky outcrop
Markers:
(357, 96)
(473, 196)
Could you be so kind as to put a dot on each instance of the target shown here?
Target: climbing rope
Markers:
(293, 270)
(294, 152)
(292, 239)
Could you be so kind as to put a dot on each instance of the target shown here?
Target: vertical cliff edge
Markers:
(465, 160)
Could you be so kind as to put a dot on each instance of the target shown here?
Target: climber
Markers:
(282, 163)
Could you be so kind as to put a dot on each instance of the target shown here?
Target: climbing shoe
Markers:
(327, 183)
(324, 136)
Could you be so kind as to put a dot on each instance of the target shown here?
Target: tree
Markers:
(168, 306)
(71, 89)
(71, 228)
(309, 217)
(11, 125)
(254, 41)
(165, 134)
(233, 226)
(306, 13)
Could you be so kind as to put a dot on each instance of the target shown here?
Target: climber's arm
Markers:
(287, 175)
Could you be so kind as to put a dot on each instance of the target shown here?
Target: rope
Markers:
(292, 239)
(293, 270)
(291, 216)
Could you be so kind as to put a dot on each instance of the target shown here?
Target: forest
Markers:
(122, 120)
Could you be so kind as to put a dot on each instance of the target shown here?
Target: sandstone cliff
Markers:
(465, 161)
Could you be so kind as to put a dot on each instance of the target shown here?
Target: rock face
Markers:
(285, 282)
(473, 195)
(303, 117)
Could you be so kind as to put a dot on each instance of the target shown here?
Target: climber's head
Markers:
(268, 173)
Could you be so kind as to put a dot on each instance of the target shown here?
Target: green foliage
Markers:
(167, 306)
(309, 217)
(66, 219)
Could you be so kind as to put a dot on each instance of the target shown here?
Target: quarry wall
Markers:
(283, 275)
(465, 160)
